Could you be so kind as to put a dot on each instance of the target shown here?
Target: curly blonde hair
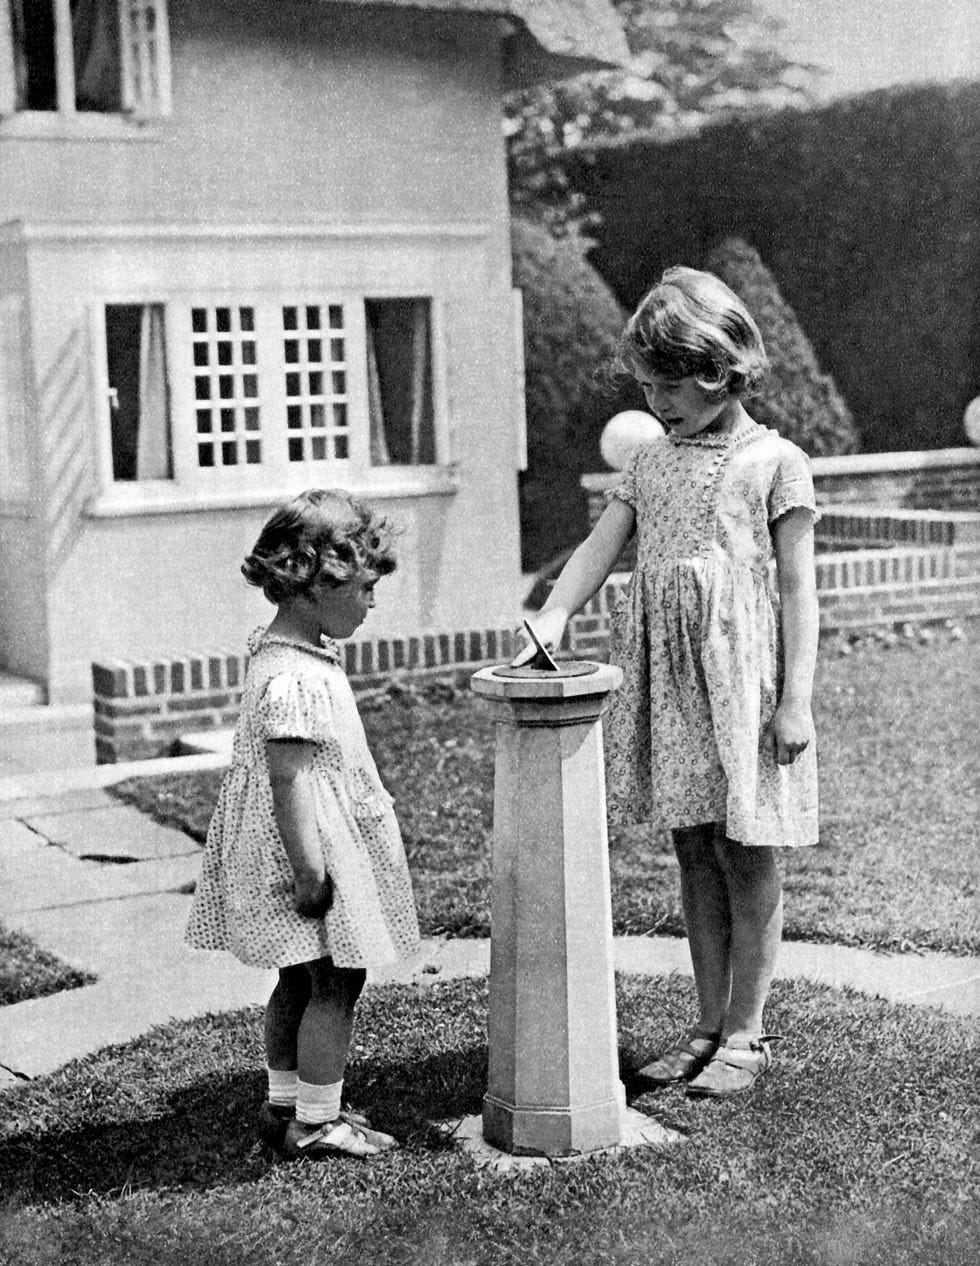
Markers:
(323, 535)
(690, 324)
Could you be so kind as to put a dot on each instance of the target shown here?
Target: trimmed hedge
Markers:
(800, 402)
(868, 212)
(571, 323)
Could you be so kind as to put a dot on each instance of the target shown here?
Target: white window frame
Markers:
(145, 72)
(196, 487)
(14, 482)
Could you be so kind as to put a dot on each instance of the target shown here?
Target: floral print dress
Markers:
(698, 638)
(244, 899)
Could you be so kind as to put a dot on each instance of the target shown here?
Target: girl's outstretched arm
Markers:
(582, 575)
(290, 763)
(792, 725)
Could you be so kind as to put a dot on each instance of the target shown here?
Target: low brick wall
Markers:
(856, 589)
(945, 480)
(143, 708)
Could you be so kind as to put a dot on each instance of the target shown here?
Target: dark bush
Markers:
(868, 212)
(802, 403)
(571, 323)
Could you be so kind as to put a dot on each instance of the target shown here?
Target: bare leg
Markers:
(705, 899)
(325, 1031)
(283, 1016)
(756, 906)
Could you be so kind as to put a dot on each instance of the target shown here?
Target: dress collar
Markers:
(328, 649)
(717, 435)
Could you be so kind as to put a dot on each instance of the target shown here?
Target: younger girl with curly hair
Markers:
(304, 868)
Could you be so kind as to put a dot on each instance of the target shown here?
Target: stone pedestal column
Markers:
(553, 1086)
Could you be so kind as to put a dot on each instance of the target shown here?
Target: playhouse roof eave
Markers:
(548, 39)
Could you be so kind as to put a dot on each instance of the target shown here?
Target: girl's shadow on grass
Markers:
(208, 1133)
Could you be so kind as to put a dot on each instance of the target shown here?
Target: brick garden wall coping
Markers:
(143, 707)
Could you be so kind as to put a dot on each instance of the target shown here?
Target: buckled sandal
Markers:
(335, 1138)
(732, 1069)
(680, 1062)
(274, 1121)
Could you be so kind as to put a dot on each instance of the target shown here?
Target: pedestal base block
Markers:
(553, 1131)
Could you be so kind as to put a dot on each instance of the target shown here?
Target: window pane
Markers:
(305, 383)
(139, 402)
(95, 46)
(232, 386)
(402, 419)
(34, 60)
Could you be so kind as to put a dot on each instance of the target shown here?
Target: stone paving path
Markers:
(105, 888)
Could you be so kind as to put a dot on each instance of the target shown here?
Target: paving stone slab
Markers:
(115, 832)
(57, 802)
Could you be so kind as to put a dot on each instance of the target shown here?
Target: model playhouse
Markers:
(247, 249)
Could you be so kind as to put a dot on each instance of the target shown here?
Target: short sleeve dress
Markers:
(698, 638)
(244, 899)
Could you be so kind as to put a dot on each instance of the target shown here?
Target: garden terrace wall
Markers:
(946, 479)
(142, 709)
(918, 512)
(858, 589)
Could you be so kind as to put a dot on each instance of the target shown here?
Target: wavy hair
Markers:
(324, 534)
(690, 324)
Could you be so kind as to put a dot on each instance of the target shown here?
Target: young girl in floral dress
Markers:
(712, 729)
(304, 868)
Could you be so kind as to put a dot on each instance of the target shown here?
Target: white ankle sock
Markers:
(315, 1105)
(282, 1087)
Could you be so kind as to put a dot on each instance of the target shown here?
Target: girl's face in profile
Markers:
(342, 609)
(680, 404)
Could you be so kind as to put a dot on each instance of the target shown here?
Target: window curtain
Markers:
(95, 41)
(420, 362)
(153, 436)
(21, 70)
(398, 367)
(376, 414)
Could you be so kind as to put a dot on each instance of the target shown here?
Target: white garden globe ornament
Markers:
(971, 422)
(623, 432)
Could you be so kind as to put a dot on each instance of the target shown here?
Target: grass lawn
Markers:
(900, 802)
(27, 971)
(859, 1147)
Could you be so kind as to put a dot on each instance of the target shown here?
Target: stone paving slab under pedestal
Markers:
(639, 1130)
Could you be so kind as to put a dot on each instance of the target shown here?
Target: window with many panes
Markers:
(212, 394)
(68, 57)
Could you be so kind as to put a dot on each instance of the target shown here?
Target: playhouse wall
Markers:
(309, 146)
(288, 113)
(23, 618)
